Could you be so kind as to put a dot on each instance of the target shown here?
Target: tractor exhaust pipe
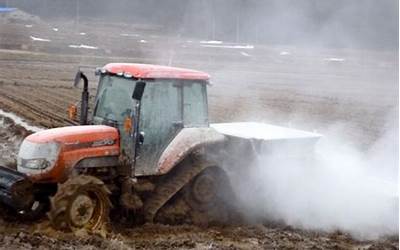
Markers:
(85, 96)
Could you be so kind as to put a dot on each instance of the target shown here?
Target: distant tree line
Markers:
(339, 23)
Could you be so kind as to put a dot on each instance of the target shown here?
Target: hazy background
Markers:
(339, 23)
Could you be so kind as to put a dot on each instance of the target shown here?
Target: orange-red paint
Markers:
(128, 125)
(76, 144)
(156, 71)
(72, 112)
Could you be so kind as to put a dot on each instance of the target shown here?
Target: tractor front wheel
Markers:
(82, 202)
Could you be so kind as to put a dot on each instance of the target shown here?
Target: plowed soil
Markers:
(305, 88)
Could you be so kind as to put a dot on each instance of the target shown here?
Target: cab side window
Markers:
(195, 112)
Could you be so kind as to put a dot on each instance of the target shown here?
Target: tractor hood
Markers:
(75, 135)
(50, 154)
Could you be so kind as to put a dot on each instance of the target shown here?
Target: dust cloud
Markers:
(340, 189)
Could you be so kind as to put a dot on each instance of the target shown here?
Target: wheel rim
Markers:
(82, 210)
(82, 202)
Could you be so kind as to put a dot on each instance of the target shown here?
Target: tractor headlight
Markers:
(35, 163)
(33, 155)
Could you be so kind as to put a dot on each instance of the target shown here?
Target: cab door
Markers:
(160, 121)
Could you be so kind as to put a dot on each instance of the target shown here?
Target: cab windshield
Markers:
(114, 98)
(188, 98)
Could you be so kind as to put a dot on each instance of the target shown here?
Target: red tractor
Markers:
(146, 147)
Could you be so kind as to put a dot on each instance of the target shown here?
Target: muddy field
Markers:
(308, 88)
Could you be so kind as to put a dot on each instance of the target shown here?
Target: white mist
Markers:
(344, 189)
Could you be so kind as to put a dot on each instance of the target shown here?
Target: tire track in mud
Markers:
(46, 119)
(68, 94)
(8, 105)
(13, 70)
(62, 96)
(41, 97)
(52, 96)
(43, 114)
(34, 80)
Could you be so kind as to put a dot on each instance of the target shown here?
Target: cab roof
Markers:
(155, 71)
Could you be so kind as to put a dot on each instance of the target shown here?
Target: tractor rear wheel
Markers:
(202, 192)
(82, 202)
(211, 198)
(208, 190)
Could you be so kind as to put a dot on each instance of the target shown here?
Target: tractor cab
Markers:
(149, 105)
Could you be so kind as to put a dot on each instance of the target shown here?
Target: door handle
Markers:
(141, 138)
(178, 124)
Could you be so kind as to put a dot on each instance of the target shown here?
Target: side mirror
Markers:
(97, 71)
(139, 89)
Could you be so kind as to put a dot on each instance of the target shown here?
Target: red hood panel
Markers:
(75, 134)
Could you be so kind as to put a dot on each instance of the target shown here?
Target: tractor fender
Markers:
(185, 142)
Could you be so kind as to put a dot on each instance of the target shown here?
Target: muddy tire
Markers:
(82, 202)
